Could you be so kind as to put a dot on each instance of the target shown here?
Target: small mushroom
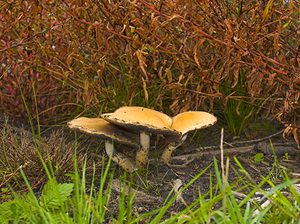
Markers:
(184, 123)
(110, 133)
(144, 121)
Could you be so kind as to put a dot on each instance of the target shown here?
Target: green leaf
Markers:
(62, 218)
(54, 195)
(258, 157)
(21, 208)
(267, 9)
(6, 213)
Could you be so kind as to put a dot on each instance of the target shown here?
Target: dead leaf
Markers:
(237, 109)
(229, 28)
(236, 74)
(145, 90)
(169, 74)
(86, 97)
(290, 129)
(196, 51)
(296, 137)
(267, 9)
(140, 55)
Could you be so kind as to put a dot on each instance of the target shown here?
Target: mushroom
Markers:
(184, 123)
(144, 121)
(110, 133)
(148, 121)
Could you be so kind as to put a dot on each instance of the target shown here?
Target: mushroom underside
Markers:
(110, 133)
(136, 122)
(184, 123)
(146, 121)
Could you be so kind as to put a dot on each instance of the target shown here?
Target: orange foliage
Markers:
(175, 54)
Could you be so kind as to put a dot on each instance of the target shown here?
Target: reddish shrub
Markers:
(165, 54)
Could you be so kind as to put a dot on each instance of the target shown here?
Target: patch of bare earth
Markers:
(192, 158)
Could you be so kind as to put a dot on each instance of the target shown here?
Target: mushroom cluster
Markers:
(133, 126)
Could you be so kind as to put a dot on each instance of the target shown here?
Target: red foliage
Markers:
(174, 54)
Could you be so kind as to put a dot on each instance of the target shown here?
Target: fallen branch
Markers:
(196, 155)
(256, 140)
(282, 148)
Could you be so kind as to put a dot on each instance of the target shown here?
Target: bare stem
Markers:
(143, 153)
(119, 158)
(167, 153)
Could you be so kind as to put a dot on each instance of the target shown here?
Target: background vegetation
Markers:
(91, 56)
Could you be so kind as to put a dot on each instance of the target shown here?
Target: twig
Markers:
(214, 152)
(239, 195)
(222, 154)
(263, 206)
(232, 144)
(13, 174)
(184, 165)
(25, 41)
(295, 174)
(243, 149)
(257, 140)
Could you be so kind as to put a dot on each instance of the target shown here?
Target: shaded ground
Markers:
(153, 186)
(256, 155)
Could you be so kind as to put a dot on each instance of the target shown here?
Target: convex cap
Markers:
(139, 118)
(192, 120)
(105, 130)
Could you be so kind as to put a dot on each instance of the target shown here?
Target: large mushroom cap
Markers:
(140, 118)
(105, 130)
(165, 119)
(163, 116)
(192, 120)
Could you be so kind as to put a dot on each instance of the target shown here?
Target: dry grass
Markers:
(19, 149)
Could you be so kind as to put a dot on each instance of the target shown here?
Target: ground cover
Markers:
(195, 188)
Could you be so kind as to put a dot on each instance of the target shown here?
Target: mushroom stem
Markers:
(167, 153)
(143, 153)
(119, 158)
(109, 148)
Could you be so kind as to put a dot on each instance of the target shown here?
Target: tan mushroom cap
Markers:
(192, 120)
(183, 123)
(165, 119)
(140, 118)
(105, 130)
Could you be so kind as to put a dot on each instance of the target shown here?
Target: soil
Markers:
(153, 185)
(198, 153)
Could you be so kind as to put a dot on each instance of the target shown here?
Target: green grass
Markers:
(87, 197)
(238, 113)
(83, 201)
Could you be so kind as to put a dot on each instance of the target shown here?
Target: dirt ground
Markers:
(253, 152)
(153, 185)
